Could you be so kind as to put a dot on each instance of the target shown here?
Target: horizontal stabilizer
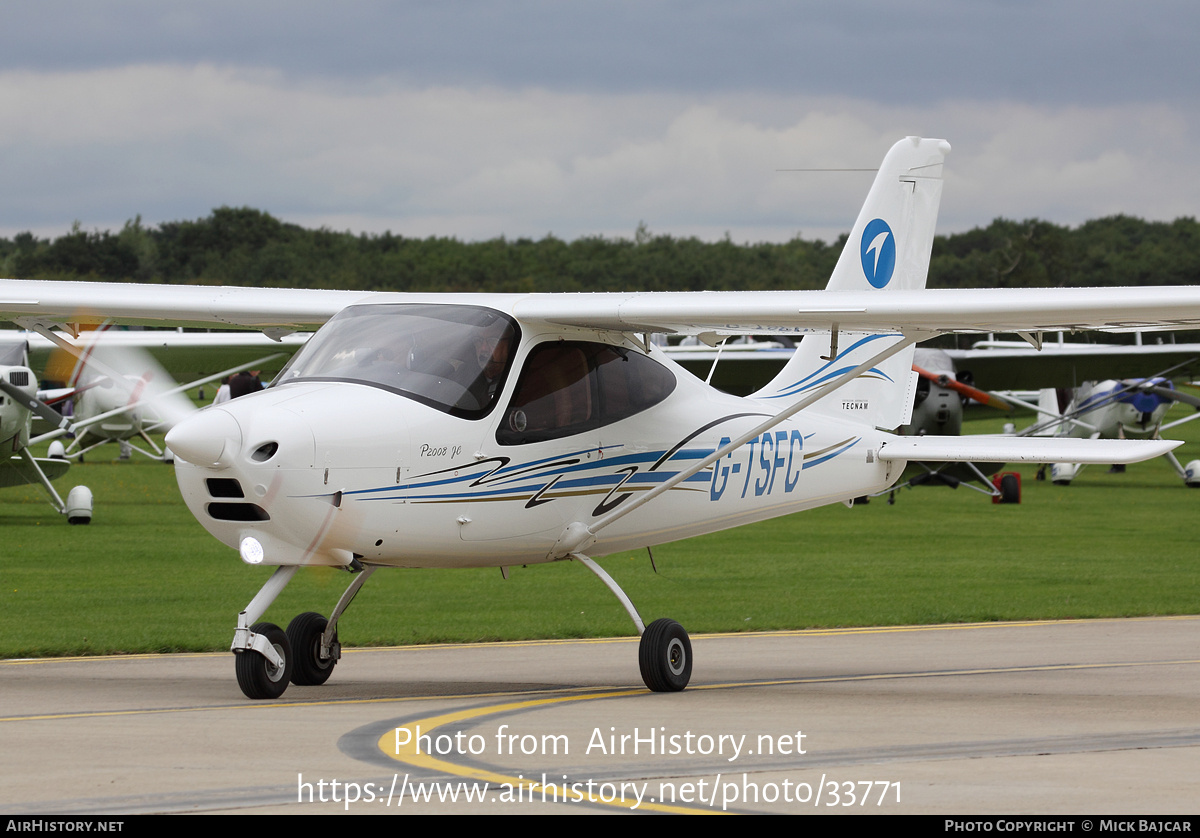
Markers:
(1008, 449)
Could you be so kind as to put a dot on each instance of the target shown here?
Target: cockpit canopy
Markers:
(454, 358)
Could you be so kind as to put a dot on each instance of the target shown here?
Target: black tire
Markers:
(257, 678)
(1010, 489)
(304, 633)
(665, 656)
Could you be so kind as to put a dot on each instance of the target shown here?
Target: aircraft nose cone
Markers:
(210, 438)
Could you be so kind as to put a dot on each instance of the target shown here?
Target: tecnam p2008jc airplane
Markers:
(474, 430)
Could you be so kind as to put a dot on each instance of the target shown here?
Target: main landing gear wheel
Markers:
(1010, 489)
(304, 635)
(665, 656)
(257, 677)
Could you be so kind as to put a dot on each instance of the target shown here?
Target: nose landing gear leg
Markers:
(263, 654)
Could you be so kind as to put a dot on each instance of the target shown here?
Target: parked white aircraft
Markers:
(112, 405)
(1114, 410)
(475, 430)
(113, 375)
(19, 400)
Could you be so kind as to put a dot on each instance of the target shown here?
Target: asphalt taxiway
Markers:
(1080, 717)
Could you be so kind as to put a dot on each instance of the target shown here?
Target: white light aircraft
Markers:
(485, 430)
(183, 355)
(1115, 410)
(114, 405)
(1109, 409)
(115, 377)
(19, 399)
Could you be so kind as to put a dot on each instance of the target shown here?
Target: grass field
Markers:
(144, 576)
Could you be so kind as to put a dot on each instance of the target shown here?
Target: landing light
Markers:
(251, 550)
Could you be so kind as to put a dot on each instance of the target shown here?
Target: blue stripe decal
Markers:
(582, 472)
(830, 456)
(825, 373)
(521, 483)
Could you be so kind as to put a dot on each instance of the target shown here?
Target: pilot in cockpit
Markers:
(491, 353)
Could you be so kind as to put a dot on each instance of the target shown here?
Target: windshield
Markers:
(451, 357)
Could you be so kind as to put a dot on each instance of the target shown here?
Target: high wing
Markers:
(276, 311)
(908, 311)
(915, 313)
(1012, 365)
(186, 356)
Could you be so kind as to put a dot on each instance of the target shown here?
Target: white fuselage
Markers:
(106, 398)
(1115, 408)
(15, 419)
(320, 472)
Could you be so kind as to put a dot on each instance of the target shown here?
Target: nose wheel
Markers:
(268, 658)
(265, 674)
(304, 633)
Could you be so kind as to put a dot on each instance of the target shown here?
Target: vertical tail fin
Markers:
(890, 242)
(888, 249)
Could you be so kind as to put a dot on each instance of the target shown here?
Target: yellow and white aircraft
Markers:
(484, 430)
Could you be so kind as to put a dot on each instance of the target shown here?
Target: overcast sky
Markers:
(477, 120)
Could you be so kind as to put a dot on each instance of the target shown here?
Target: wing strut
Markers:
(578, 536)
(36, 471)
(713, 368)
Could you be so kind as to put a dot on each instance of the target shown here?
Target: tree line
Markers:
(244, 246)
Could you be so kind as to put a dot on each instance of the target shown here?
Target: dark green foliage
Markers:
(77, 255)
(1119, 250)
(243, 246)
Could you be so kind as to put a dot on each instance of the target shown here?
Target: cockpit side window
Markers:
(568, 387)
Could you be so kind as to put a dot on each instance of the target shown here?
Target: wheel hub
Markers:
(274, 673)
(676, 657)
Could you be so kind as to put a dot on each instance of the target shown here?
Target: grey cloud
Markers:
(1076, 52)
